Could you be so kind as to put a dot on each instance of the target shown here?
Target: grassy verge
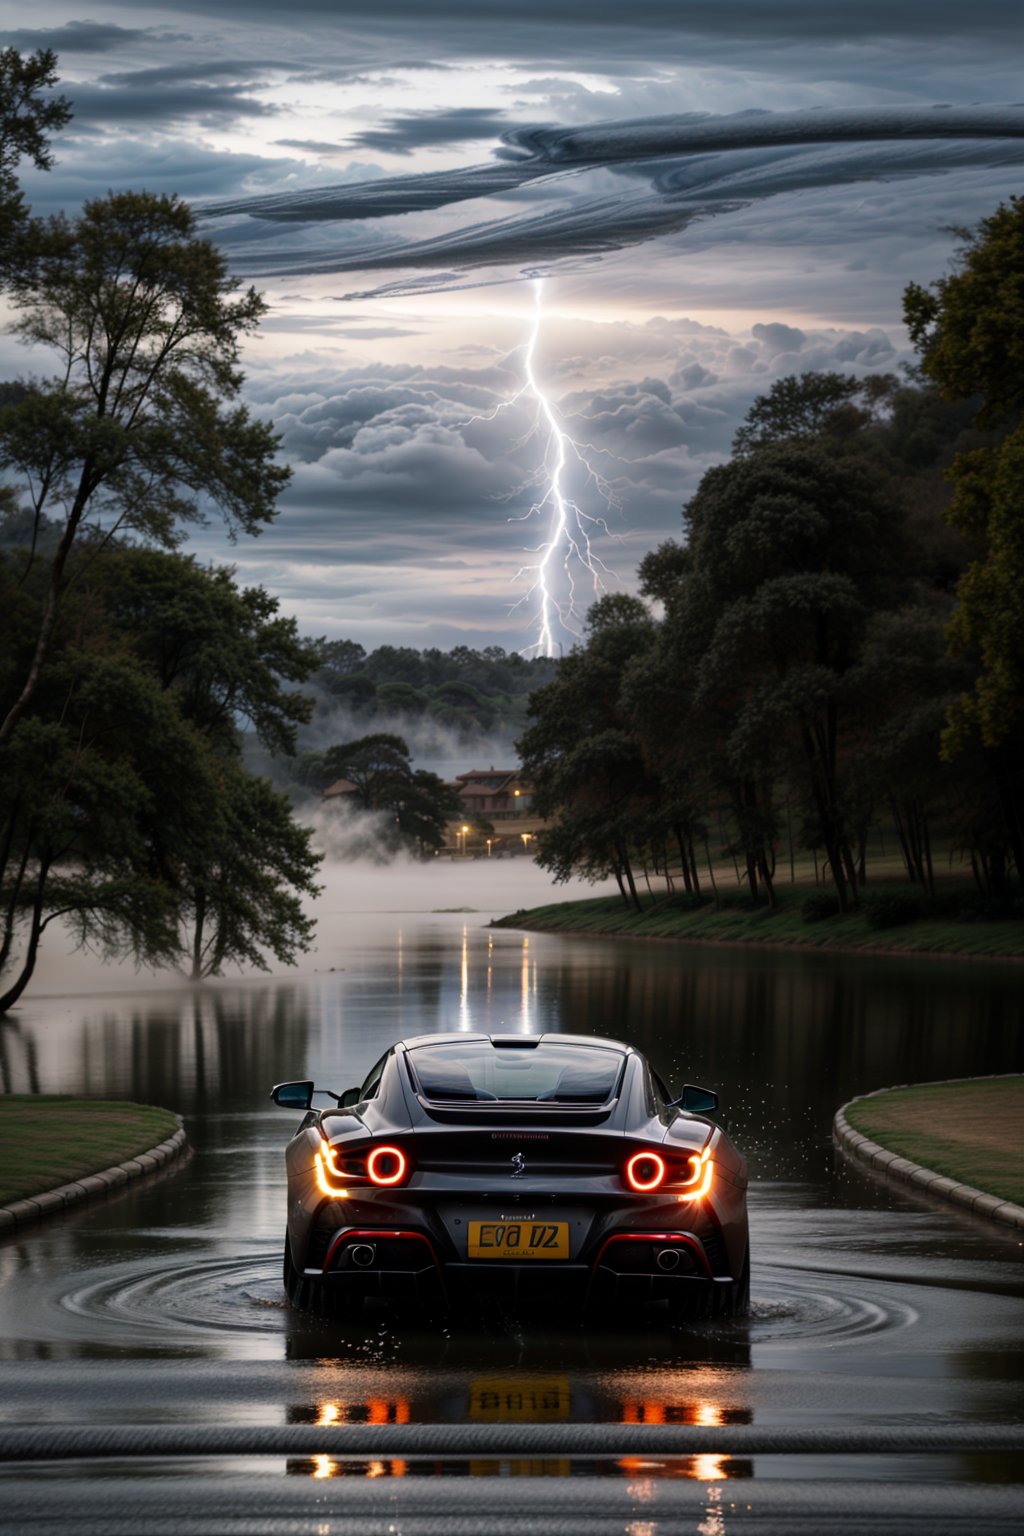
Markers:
(969, 1131)
(736, 921)
(47, 1139)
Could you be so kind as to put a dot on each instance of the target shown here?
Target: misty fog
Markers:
(357, 896)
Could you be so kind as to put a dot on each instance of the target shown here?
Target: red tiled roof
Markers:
(340, 787)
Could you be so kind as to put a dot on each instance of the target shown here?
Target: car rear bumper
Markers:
(627, 1268)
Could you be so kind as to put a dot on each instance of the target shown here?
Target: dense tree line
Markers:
(127, 669)
(469, 692)
(838, 640)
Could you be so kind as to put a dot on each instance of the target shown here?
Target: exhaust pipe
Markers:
(668, 1259)
(363, 1255)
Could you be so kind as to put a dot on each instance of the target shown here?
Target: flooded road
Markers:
(162, 1306)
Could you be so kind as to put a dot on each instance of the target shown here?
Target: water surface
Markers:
(163, 1304)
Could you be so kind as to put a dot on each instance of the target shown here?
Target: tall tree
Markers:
(793, 547)
(138, 428)
(582, 757)
(243, 881)
(126, 812)
(969, 330)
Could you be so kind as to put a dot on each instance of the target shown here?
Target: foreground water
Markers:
(163, 1305)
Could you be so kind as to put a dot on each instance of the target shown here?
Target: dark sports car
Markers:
(519, 1167)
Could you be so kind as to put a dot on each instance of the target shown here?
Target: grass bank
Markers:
(969, 1131)
(48, 1139)
(884, 922)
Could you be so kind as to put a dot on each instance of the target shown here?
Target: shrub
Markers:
(891, 909)
(819, 906)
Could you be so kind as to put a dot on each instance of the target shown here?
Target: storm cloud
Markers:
(694, 168)
(86, 37)
(718, 193)
(407, 132)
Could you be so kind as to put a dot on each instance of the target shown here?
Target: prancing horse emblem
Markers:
(518, 1165)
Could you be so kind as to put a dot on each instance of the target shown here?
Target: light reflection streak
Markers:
(465, 1022)
(714, 1525)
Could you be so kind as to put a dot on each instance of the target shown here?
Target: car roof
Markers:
(463, 1037)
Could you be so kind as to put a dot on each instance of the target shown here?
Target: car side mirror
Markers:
(348, 1098)
(293, 1095)
(697, 1101)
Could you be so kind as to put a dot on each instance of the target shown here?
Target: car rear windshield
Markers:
(545, 1074)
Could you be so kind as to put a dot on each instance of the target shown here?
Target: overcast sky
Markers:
(677, 201)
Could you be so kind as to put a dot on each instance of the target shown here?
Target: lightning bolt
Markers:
(566, 555)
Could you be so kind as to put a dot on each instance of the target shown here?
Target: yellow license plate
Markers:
(532, 1399)
(518, 1240)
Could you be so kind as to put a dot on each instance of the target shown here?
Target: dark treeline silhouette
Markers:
(833, 656)
(469, 693)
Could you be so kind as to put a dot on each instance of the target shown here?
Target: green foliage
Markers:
(225, 650)
(242, 883)
(138, 427)
(28, 114)
(745, 922)
(969, 328)
(125, 810)
(806, 406)
(819, 906)
(417, 804)
(800, 667)
(472, 693)
(891, 908)
(143, 321)
(581, 756)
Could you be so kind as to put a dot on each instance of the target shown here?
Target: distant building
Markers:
(341, 789)
(499, 794)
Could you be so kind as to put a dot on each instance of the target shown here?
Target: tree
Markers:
(224, 650)
(378, 765)
(416, 803)
(793, 547)
(969, 330)
(344, 656)
(126, 811)
(242, 883)
(582, 757)
(138, 429)
(90, 788)
(804, 406)
(423, 810)
(27, 117)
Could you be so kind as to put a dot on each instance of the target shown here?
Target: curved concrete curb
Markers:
(22, 1212)
(877, 1160)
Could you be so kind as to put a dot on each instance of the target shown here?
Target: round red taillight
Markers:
(386, 1165)
(645, 1171)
